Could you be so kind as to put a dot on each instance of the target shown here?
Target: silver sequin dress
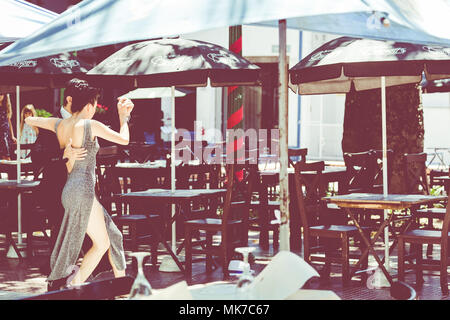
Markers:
(77, 198)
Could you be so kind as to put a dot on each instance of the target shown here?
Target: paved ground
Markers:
(29, 277)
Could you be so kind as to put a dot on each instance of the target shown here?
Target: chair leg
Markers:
(325, 274)
(401, 259)
(133, 235)
(306, 250)
(29, 248)
(365, 262)
(224, 261)
(430, 250)
(443, 269)
(188, 253)
(154, 249)
(419, 267)
(209, 257)
(430, 245)
(276, 238)
(345, 260)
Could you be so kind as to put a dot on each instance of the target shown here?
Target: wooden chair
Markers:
(140, 224)
(319, 237)
(361, 168)
(416, 238)
(267, 203)
(378, 162)
(415, 171)
(433, 174)
(232, 225)
(263, 208)
(203, 176)
(416, 182)
(297, 154)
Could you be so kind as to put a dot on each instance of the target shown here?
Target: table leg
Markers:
(365, 253)
(369, 244)
(168, 228)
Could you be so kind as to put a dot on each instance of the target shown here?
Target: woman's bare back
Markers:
(68, 129)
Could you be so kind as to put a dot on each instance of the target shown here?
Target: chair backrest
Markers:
(140, 152)
(295, 153)
(415, 173)
(203, 176)
(107, 183)
(361, 168)
(236, 206)
(378, 160)
(309, 193)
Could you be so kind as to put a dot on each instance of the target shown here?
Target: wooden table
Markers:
(181, 198)
(14, 189)
(379, 202)
(268, 178)
(22, 186)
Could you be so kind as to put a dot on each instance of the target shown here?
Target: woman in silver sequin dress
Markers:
(83, 212)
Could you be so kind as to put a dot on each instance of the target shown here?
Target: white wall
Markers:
(322, 116)
(436, 114)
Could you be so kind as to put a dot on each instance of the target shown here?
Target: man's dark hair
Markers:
(81, 94)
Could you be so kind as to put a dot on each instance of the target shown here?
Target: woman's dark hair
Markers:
(81, 94)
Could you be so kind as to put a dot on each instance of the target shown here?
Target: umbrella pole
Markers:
(283, 127)
(385, 166)
(169, 264)
(172, 166)
(19, 170)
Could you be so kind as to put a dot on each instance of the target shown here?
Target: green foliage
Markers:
(43, 113)
(437, 191)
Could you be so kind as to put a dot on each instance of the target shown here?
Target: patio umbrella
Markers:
(51, 72)
(154, 93)
(368, 64)
(173, 62)
(334, 66)
(22, 18)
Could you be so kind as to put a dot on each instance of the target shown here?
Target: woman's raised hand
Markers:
(124, 107)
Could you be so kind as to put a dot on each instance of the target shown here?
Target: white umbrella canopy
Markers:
(22, 18)
(154, 93)
(101, 22)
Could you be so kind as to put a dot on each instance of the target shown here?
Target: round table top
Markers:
(14, 185)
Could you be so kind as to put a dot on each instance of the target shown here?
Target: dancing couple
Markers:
(83, 214)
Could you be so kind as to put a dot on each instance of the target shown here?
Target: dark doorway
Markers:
(261, 102)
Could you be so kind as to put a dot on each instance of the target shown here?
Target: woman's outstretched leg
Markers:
(96, 230)
(117, 273)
